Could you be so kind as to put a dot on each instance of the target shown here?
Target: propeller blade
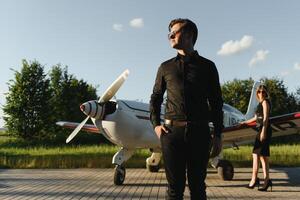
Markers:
(114, 87)
(76, 130)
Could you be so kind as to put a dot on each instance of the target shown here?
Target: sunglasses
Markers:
(173, 34)
(261, 91)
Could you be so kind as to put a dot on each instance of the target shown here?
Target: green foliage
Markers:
(27, 110)
(34, 102)
(68, 94)
(237, 93)
(297, 96)
(281, 155)
(282, 101)
(20, 153)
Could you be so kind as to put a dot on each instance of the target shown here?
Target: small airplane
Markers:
(126, 124)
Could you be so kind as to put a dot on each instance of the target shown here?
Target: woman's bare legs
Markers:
(255, 168)
(265, 166)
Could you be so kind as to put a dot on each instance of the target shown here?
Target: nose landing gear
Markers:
(119, 158)
(119, 176)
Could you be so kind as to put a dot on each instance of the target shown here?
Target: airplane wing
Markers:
(72, 125)
(234, 135)
(244, 134)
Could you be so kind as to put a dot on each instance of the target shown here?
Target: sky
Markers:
(98, 40)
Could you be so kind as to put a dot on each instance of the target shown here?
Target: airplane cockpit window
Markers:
(136, 105)
(229, 108)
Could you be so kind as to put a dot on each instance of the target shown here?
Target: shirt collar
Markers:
(187, 57)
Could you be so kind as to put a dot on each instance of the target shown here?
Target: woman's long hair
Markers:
(264, 89)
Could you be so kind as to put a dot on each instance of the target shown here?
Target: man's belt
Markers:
(175, 122)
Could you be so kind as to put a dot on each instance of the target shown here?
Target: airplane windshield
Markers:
(231, 109)
(136, 105)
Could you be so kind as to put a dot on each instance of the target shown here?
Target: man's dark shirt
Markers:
(192, 82)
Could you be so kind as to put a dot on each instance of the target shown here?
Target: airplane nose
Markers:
(82, 107)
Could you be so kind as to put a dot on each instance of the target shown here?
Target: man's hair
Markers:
(187, 26)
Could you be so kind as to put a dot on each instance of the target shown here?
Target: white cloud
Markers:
(259, 57)
(137, 23)
(297, 66)
(118, 27)
(290, 71)
(232, 47)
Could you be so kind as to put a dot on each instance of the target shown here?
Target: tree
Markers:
(68, 93)
(282, 102)
(27, 110)
(298, 98)
(237, 93)
(298, 93)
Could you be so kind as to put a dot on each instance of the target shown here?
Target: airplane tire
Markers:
(153, 168)
(119, 175)
(225, 170)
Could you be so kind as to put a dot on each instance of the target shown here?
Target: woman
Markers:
(261, 149)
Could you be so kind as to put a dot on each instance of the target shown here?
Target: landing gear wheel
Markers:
(119, 175)
(153, 168)
(225, 170)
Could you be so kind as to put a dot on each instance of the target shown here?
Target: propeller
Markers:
(114, 87)
(77, 129)
(107, 95)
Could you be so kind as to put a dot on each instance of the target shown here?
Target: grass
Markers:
(16, 153)
(282, 155)
(95, 156)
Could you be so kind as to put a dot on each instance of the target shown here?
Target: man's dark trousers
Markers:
(186, 149)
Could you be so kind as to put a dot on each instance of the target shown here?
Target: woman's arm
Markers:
(249, 120)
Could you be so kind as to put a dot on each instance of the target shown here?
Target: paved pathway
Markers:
(38, 184)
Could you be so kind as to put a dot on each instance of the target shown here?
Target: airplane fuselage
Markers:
(129, 126)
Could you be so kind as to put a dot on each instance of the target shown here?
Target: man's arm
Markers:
(215, 101)
(157, 98)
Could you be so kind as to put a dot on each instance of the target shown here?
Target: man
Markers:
(191, 82)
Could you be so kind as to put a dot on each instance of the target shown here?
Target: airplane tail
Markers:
(252, 102)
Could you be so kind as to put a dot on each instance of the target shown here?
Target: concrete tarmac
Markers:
(39, 184)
